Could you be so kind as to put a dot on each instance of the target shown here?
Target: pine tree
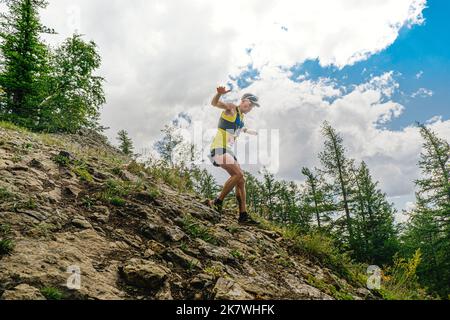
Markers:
(270, 188)
(169, 143)
(429, 226)
(293, 200)
(253, 188)
(338, 168)
(316, 196)
(126, 144)
(24, 64)
(375, 234)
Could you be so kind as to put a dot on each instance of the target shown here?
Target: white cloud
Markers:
(419, 74)
(161, 57)
(422, 93)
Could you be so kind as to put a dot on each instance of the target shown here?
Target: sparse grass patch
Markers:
(116, 170)
(154, 193)
(26, 147)
(232, 229)
(320, 248)
(6, 243)
(61, 160)
(237, 254)
(285, 262)
(83, 174)
(192, 264)
(51, 293)
(17, 158)
(11, 126)
(116, 201)
(45, 229)
(116, 190)
(30, 204)
(5, 195)
(135, 168)
(175, 176)
(88, 202)
(51, 140)
(6, 246)
(195, 229)
(214, 270)
(329, 289)
(183, 246)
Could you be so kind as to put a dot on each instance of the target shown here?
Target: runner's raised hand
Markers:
(222, 90)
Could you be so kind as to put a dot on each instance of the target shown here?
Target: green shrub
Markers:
(88, 202)
(176, 176)
(237, 254)
(51, 293)
(116, 201)
(61, 160)
(154, 193)
(338, 294)
(116, 170)
(400, 282)
(195, 229)
(5, 195)
(83, 174)
(6, 246)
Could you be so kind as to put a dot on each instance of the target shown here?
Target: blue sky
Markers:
(419, 57)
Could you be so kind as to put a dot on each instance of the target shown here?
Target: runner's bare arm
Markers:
(250, 132)
(219, 104)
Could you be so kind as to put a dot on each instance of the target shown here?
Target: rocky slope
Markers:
(73, 202)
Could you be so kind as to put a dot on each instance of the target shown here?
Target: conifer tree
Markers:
(126, 144)
(317, 198)
(375, 233)
(24, 65)
(338, 168)
(429, 226)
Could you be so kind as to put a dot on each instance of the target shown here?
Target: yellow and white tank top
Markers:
(228, 131)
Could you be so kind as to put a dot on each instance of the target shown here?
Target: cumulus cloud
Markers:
(161, 57)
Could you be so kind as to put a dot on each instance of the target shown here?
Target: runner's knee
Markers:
(240, 176)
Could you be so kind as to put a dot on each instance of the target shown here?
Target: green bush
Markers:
(5, 195)
(51, 293)
(61, 160)
(195, 229)
(237, 254)
(400, 282)
(83, 174)
(6, 246)
(116, 201)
